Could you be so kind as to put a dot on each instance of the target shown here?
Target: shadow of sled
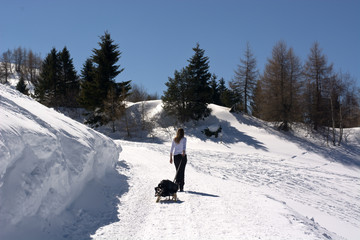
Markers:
(170, 201)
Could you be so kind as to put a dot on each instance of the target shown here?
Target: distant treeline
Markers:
(25, 63)
(287, 91)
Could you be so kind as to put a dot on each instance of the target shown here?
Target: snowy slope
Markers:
(252, 183)
(46, 162)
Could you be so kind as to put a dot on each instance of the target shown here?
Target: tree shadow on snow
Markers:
(228, 135)
(345, 154)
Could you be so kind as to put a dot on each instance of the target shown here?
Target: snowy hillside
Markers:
(47, 161)
(14, 77)
(252, 182)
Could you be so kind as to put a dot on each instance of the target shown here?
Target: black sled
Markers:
(166, 188)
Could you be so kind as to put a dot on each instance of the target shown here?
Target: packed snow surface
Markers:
(252, 182)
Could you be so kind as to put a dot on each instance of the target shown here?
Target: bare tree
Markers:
(316, 70)
(138, 93)
(5, 66)
(280, 85)
(33, 64)
(349, 103)
(259, 100)
(245, 79)
(331, 93)
(19, 56)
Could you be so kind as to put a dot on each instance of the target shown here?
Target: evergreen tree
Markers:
(89, 89)
(245, 79)
(98, 78)
(47, 86)
(215, 93)
(21, 86)
(189, 91)
(199, 91)
(69, 81)
(57, 85)
(105, 59)
(227, 97)
(175, 97)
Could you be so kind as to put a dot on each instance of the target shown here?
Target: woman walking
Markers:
(178, 148)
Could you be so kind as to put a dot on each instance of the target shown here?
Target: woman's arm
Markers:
(184, 147)
(171, 151)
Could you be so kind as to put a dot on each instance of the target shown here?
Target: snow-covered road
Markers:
(233, 196)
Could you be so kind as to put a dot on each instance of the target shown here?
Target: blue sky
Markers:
(156, 37)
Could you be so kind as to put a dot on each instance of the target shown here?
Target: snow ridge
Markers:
(46, 160)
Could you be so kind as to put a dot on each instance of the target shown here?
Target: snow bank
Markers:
(46, 159)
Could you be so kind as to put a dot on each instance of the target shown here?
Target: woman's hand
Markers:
(170, 160)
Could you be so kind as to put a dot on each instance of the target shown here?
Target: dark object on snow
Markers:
(210, 133)
(166, 188)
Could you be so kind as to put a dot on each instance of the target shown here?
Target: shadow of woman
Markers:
(202, 194)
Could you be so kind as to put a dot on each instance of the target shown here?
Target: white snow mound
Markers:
(46, 159)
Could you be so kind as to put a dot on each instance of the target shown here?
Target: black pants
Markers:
(180, 177)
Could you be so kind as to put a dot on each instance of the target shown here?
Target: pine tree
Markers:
(89, 90)
(215, 93)
(189, 92)
(47, 86)
(98, 77)
(199, 91)
(227, 97)
(245, 79)
(175, 97)
(21, 86)
(69, 80)
(58, 84)
(105, 59)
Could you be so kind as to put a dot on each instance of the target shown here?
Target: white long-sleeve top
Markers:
(178, 148)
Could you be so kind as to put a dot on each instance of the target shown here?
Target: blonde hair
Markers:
(179, 135)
